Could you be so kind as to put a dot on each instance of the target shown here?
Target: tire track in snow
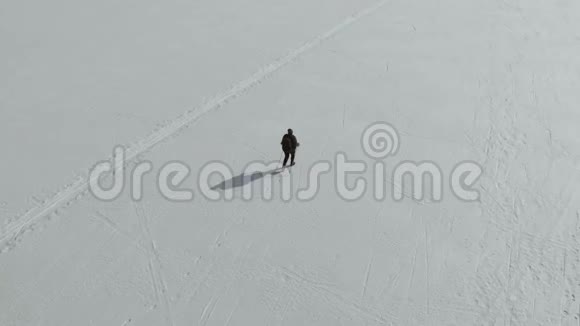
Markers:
(12, 232)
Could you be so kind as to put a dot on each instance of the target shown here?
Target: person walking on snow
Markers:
(289, 145)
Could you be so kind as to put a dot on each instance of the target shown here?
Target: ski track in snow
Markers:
(155, 266)
(12, 232)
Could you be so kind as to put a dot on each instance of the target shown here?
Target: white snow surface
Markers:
(491, 81)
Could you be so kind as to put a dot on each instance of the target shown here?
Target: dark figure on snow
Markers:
(289, 145)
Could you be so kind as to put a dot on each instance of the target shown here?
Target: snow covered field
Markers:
(495, 82)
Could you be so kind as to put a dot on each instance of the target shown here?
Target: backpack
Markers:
(286, 142)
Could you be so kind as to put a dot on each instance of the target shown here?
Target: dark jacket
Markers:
(289, 143)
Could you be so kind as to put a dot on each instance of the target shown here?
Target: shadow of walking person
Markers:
(243, 179)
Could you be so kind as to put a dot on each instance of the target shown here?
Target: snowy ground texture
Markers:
(492, 81)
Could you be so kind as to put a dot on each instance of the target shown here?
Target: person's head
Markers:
(290, 132)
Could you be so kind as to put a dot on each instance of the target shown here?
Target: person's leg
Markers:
(292, 160)
(286, 154)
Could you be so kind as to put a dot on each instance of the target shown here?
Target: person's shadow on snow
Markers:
(243, 179)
